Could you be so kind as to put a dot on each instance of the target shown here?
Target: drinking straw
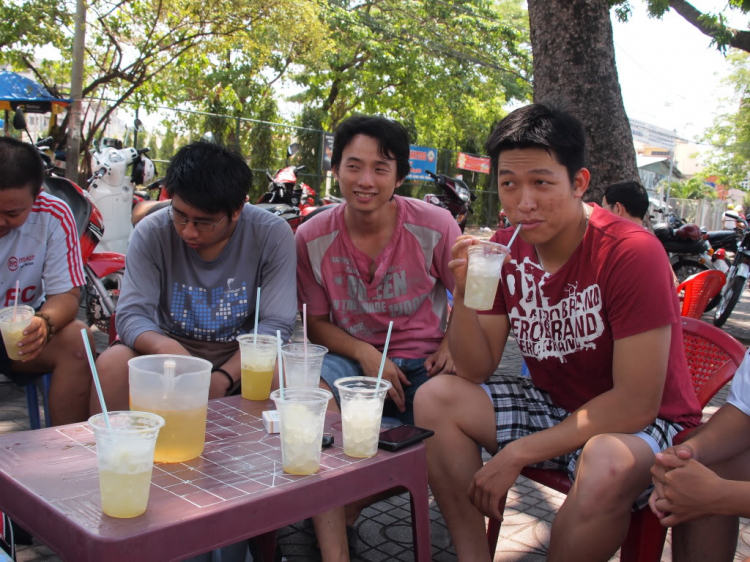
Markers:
(15, 304)
(96, 377)
(169, 367)
(281, 363)
(304, 329)
(257, 310)
(513, 238)
(385, 353)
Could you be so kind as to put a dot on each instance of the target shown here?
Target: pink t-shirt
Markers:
(617, 283)
(411, 276)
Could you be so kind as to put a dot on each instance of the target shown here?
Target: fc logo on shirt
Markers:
(12, 263)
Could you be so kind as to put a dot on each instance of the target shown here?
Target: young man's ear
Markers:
(581, 182)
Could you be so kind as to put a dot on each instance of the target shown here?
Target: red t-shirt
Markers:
(617, 283)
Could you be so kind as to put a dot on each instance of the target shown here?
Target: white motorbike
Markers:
(112, 189)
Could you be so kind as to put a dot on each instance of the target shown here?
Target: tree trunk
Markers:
(574, 65)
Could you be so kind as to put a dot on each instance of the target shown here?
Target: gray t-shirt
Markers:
(169, 289)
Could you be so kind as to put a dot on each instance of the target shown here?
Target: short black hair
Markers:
(20, 166)
(540, 126)
(631, 195)
(392, 137)
(209, 177)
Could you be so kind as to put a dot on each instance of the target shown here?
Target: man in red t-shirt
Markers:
(590, 301)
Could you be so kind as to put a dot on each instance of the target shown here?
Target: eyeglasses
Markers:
(202, 225)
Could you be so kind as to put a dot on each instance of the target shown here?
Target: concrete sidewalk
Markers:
(384, 531)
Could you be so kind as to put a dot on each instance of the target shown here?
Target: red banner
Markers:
(474, 163)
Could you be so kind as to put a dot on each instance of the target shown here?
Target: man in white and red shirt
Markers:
(376, 258)
(589, 298)
(39, 249)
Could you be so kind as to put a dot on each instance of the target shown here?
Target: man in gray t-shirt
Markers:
(192, 272)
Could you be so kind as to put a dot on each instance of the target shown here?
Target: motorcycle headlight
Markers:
(464, 194)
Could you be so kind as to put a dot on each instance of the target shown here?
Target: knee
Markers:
(68, 342)
(609, 476)
(435, 396)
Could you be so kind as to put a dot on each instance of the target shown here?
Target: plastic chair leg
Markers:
(33, 406)
(46, 381)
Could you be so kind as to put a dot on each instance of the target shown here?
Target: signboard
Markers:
(479, 164)
(422, 159)
(327, 151)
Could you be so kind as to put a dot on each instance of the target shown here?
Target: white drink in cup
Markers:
(126, 459)
(302, 413)
(302, 364)
(483, 274)
(361, 412)
(12, 328)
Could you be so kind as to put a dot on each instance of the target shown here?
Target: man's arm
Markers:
(639, 372)
(278, 279)
(61, 309)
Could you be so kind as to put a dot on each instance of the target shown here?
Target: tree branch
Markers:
(737, 38)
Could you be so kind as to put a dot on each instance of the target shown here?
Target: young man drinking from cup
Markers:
(590, 300)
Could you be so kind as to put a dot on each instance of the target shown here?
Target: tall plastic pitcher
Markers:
(174, 387)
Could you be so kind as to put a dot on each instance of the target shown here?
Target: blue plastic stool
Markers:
(524, 369)
(32, 402)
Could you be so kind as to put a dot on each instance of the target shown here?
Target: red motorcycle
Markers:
(455, 197)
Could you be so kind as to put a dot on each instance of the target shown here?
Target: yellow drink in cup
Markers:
(12, 329)
(125, 453)
(174, 387)
(258, 361)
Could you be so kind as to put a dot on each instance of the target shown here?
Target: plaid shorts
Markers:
(522, 409)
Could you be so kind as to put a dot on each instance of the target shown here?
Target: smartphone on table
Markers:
(402, 436)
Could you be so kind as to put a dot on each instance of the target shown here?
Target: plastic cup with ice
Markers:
(258, 361)
(483, 274)
(13, 321)
(361, 411)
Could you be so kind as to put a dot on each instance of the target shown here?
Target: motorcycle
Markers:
(736, 281)
(456, 197)
(686, 245)
(113, 190)
(103, 270)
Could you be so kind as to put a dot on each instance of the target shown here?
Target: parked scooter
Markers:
(104, 270)
(456, 197)
(112, 189)
(686, 246)
(736, 281)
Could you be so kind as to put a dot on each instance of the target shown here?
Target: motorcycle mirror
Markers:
(292, 149)
(19, 120)
(208, 136)
(138, 125)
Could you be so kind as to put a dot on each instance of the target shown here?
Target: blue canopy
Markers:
(17, 90)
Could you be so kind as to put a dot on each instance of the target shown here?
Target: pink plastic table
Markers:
(235, 490)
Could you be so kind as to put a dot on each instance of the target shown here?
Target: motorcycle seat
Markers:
(277, 208)
(663, 232)
(719, 237)
(685, 246)
(79, 204)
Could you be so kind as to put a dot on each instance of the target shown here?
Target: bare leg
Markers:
(331, 533)
(112, 367)
(613, 470)
(713, 538)
(462, 417)
(65, 356)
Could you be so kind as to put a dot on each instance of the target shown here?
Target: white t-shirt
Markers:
(43, 254)
(739, 395)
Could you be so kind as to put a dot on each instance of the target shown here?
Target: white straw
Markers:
(15, 304)
(96, 377)
(169, 367)
(513, 238)
(304, 328)
(385, 353)
(281, 363)
(257, 310)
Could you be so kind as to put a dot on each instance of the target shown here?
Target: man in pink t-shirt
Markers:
(374, 259)
(590, 300)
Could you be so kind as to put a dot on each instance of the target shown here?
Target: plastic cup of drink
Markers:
(126, 459)
(258, 361)
(303, 369)
(13, 329)
(361, 411)
(483, 274)
(302, 414)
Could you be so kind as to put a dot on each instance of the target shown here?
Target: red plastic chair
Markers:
(699, 290)
(713, 357)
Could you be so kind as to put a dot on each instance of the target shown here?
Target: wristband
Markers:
(231, 380)
(50, 325)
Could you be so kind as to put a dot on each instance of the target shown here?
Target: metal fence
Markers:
(705, 213)
(264, 145)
